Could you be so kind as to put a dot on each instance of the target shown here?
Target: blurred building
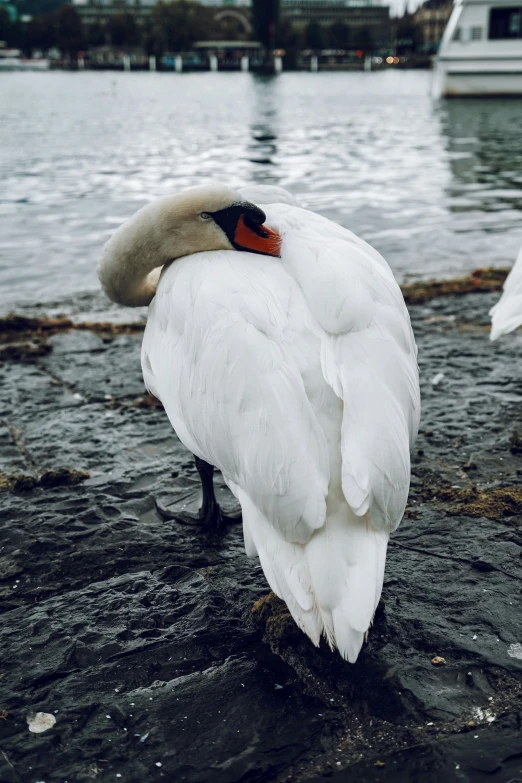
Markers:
(365, 19)
(98, 11)
(225, 2)
(430, 19)
(328, 6)
(234, 12)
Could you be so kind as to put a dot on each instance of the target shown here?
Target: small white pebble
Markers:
(430, 724)
(108, 716)
(158, 764)
(39, 722)
(475, 736)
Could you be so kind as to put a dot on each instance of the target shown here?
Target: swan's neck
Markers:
(132, 259)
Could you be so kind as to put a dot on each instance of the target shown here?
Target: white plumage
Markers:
(297, 378)
(506, 315)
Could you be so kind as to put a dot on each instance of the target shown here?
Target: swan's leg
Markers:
(210, 512)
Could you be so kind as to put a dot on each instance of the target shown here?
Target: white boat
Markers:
(481, 50)
(12, 60)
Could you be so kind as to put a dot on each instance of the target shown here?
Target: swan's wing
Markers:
(214, 353)
(268, 194)
(506, 315)
(369, 356)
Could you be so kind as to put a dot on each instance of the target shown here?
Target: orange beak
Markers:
(260, 239)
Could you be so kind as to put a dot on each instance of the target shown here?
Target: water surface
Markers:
(436, 187)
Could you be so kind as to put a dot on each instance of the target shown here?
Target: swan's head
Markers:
(212, 218)
(204, 218)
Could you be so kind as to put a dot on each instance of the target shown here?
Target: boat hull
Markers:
(452, 80)
(18, 64)
(481, 51)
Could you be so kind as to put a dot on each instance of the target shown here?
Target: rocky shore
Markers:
(151, 643)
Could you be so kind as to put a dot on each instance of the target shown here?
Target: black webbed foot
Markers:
(214, 518)
(210, 514)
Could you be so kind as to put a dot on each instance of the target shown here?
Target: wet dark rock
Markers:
(139, 635)
(23, 352)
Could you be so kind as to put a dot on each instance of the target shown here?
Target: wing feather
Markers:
(214, 353)
(368, 357)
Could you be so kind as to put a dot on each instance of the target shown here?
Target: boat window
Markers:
(476, 33)
(456, 34)
(505, 23)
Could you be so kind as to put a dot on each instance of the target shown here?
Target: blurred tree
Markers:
(175, 26)
(123, 30)
(38, 7)
(292, 42)
(96, 35)
(339, 35)
(41, 33)
(314, 36)
(70, 38)
(265, 15)
(6, 26)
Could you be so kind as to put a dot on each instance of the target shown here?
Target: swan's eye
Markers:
(205, 215)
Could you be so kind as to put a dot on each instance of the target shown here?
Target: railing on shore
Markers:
(327, 60)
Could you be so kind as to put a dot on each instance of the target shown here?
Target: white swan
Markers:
(506, 315)
(293, 370)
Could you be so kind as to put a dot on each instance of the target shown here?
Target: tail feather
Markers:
(331, 584)
(348, 640)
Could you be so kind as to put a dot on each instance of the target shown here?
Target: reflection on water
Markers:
(484, 196)
(437, 188)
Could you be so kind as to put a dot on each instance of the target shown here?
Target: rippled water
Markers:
(436, 187)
